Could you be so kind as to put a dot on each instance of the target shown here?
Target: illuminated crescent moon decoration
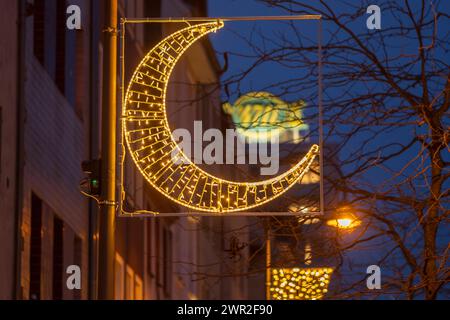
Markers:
(159, 158)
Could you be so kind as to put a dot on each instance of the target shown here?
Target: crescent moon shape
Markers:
(159, 158)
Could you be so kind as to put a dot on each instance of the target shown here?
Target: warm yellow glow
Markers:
(344, 222)
(299, 284)
(159, 158)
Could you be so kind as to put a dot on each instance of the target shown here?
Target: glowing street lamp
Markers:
(344, 219)
(305, 283)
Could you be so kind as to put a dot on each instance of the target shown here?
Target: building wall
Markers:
(56, 141)
(8, 143)
(156, 258)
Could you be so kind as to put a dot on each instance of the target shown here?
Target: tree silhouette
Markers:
(386, 95)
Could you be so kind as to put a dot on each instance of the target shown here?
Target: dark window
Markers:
(163, 253)
(77, 74)
(159, 254)
(39, 30)
(167, 258)
(58, 258)
(44, 34)
(35, 248)
(60, 49)
(69, 57)
(150, 252)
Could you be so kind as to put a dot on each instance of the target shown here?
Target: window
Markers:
(39, 31)
(58, 49)
(163, 253)
(35, 247)
(129, 284)
(150, 253)
(158, 253)
(119, 275)
(69, 59)
(72, 66)
(44, 37)
(138, 288)
(58, 258)
(167, 258)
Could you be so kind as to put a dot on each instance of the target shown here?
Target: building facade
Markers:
(51, 82)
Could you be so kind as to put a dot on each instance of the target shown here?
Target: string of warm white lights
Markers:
(299, 284)
(159, 158)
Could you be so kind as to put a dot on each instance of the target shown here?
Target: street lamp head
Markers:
(343, 219)
(343, 223)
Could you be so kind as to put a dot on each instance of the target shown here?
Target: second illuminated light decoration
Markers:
(158, 156)
(299, 283)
